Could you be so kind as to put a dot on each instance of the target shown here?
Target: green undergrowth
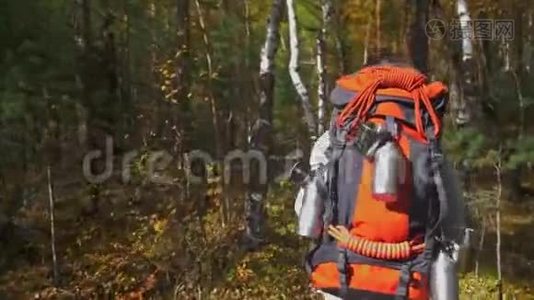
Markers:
(169, 255)
(276, 271)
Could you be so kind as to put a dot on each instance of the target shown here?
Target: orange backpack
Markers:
(376, 249)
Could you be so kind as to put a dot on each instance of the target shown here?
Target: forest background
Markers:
(107, 107)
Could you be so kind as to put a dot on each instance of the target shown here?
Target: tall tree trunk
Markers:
(464, 93)
(519, 75)
(183, 78)
(527, 55)
(260, 136)
(378, 20)
(219, 150)
(83, 41)
(465, 20)
(417, 37)
(366, 42)
(322, 90)
(341, 53)
(183, 83)
(110, 68)
(309, 117)
(405, 26)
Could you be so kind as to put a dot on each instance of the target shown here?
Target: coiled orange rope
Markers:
(374, 249)
(390, 77)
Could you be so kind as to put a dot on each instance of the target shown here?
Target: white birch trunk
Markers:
(468, 106)
(366, 42)
(309, 117)
(465, 24)
(268, 51)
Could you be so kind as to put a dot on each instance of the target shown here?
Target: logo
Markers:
(436, 29)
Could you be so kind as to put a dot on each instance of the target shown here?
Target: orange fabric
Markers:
(325, 276)
(393, 81)
(394, 110)
(370, 278)
(378, 220)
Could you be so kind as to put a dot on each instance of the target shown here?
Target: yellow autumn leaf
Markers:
(160, 225)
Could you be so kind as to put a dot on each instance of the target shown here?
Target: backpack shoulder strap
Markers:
(436, 162)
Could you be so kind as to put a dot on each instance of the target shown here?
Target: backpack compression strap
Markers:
(381, 77)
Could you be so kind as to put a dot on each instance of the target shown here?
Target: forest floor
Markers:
(132, 256)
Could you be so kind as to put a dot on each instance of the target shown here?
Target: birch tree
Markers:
(260, 136)
(309, 117)
(466, 110)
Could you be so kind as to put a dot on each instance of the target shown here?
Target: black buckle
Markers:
(343, 274)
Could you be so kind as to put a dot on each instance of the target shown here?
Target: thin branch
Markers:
(52, 227)
(498, 173)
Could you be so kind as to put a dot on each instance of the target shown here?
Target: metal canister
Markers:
(444, 274)
(366, 137)
(310, 216)
(388, 169)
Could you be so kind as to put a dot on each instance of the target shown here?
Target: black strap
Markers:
(436, 161)
(404, 282)
(331, 211)
(331, 169)
(342, 268)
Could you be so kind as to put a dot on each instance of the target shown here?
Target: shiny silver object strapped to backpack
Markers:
(310, 202)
